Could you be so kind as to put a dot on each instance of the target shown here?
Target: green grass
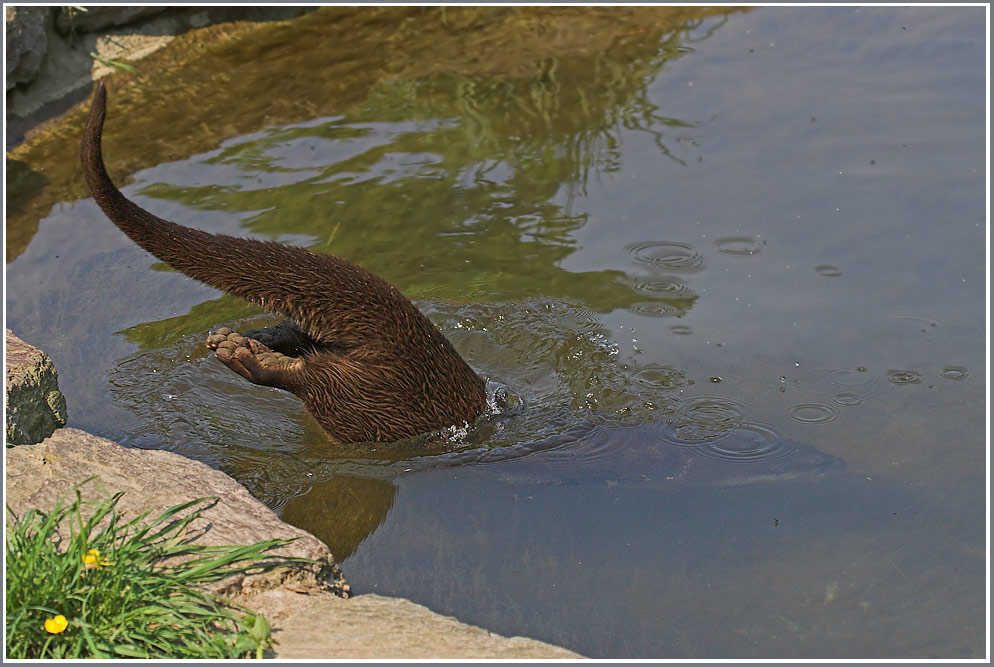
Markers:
(123, 600)
(113, 63)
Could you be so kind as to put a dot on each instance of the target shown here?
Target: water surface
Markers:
(728, 270)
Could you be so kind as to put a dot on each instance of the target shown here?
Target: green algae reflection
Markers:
(457, 188)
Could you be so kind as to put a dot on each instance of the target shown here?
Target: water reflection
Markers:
(467, 198)
(342, 511)
(346, 53)
(532, 281)
(458, 188)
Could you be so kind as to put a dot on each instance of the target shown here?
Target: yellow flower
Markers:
(56, 624)
(93, 559)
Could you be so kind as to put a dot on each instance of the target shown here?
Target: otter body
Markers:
(366, 362)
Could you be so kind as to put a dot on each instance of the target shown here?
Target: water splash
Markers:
(897, 376)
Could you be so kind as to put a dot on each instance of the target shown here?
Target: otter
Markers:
(369, 366)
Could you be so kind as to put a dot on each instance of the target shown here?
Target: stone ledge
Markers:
(373, 626)
(35, 406)
(39, 475)
(309, 607)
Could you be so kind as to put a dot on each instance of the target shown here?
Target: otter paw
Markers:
(252, 360)
(218, 337)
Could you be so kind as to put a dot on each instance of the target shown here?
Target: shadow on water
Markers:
(347, 499)
(737, 572)
(566, 408)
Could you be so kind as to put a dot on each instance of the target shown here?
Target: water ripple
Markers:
(739, 245)
(661, 377)
(904, 377)
(705, 418)
(665, 286)
(671, 255)
(658, 309)
(812, 413)
(828, 271)
(859, 384)
(963, 331)
(850, 377)
(848, 399)
(954, 372)
(929, 323)
(749, 443)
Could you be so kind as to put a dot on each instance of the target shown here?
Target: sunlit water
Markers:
(727, 285)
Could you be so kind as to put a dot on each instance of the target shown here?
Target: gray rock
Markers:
(26, 43)
(98, 18)
(35, 406)
(65, 72)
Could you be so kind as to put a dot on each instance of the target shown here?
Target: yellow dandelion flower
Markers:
(92, 559)
(56, 624)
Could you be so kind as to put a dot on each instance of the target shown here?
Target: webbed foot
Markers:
(254, 361)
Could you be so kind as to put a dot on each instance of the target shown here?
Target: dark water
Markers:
(729, 270)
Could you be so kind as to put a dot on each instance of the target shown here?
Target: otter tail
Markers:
(329, 297)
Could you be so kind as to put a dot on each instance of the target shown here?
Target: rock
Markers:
(309, 606)
(39, 475)
(373, 626)
(26, 43)
(66, 71)
(35, 406)
(98, 18)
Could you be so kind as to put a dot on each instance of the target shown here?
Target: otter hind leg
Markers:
(255, 361)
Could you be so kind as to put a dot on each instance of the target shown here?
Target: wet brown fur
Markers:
(366, 362)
